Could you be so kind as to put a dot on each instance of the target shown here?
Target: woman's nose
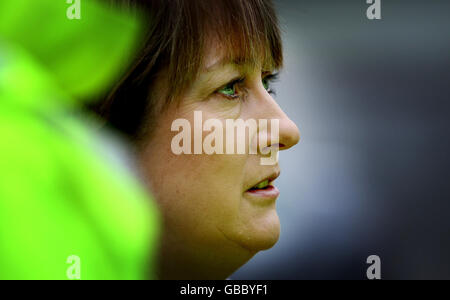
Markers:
(286, 133)
(289, 133)
(283, 134)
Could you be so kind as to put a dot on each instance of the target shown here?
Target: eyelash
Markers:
(269, 79)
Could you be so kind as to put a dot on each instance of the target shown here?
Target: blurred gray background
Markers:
(371, 174)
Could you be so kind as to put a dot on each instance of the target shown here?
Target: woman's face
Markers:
(210, 216)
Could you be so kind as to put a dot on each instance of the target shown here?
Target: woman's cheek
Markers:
(198, 193)
(207, 186)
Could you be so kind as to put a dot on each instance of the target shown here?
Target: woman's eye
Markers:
(267, 82)
(230, 90)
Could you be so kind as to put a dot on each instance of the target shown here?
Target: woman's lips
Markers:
(270, 193)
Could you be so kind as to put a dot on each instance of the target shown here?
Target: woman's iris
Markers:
(229, 90)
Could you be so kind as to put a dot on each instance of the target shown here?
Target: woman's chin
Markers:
(262, 233)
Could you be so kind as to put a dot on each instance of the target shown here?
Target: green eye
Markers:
(266, 84)
(229, 90)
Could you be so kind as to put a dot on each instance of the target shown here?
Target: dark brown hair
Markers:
(176, 34)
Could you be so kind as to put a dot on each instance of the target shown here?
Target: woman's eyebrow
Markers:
(224, 62)
(219, 75)
(220, 71)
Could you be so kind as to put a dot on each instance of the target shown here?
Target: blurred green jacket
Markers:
(70, 206)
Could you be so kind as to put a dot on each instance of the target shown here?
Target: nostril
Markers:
(267, 150)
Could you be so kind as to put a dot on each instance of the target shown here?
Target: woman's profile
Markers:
(218, 58)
